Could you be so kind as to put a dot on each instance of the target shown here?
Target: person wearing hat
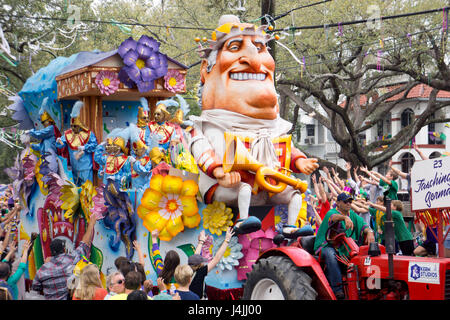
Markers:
(160, 125)
(81, 143)
(353, 226)
(116, 164)
(112, 156)
(52, 276)
(141, 169)
(197, 262)
(238, 99)
(47, 135)
(143, 119)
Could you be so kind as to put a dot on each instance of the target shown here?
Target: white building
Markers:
(317, 140)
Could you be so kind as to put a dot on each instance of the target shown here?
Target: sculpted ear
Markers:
(203, 71)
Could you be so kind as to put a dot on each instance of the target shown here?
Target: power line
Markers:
(347, 57)
(409, 35)
(301, 7)
(107, 22)
(403, 15)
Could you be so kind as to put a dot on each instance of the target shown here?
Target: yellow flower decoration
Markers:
(70, 198)
(217, 217)
(38, 175)
(87, 193)
(169, 204)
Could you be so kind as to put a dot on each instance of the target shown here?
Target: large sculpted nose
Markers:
(250, 56)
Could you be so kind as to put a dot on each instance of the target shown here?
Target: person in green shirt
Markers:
(388, 182)
(376, 218)
(354, 227)
(402, 234)
(14, 278)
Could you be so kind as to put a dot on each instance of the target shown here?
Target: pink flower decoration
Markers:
(174, 81)
(207, 248)
(107, 82)
(99, 208)
(253, 244)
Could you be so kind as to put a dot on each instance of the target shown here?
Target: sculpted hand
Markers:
(307, 166)
(227, 180)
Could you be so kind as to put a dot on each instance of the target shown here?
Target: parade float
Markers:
(107, 135)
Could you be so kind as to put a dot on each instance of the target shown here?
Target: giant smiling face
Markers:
(242, 80)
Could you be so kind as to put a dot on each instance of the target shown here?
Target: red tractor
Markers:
(293, 272)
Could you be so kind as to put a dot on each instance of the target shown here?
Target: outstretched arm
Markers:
(316, 186)
(201, 241)
(377, 206)
(87, 237)
(398, 172)
(380, 176)
(424, 157)
(335, 190)
(219, 254)
(137, 247)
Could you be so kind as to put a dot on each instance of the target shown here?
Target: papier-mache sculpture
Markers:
(47, 137)
(116, 166)
(81, 143)
(239, 141)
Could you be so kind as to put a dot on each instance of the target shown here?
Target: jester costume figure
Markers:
(120, 215)
(161, 126)
(81, 143)
(48, 136)
(141, 171)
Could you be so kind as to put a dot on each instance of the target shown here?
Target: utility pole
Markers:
(268, 8)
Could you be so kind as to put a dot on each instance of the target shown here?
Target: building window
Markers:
(407, 162)
(434, 155)
(362, 139)
(310, 130)
(431, 130)
(407, 117)
(380, 129)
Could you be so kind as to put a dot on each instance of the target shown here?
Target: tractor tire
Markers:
(278, 278)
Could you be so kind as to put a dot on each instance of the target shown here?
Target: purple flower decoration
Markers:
(125, 79)
(143, 63)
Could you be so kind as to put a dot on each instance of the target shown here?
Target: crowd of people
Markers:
(70, 276)
(368, 189)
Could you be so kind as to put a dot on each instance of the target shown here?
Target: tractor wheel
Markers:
(278, 278)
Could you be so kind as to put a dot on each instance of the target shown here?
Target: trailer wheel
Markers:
(278, 278)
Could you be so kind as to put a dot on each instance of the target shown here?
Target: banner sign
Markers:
(425, 272)
(430, 184)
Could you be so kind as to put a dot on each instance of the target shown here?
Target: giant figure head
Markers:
(237, 71)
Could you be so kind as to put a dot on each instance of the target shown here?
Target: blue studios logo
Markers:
(424, 272)
(415, 272)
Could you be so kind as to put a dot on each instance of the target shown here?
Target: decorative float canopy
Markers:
(135, 69)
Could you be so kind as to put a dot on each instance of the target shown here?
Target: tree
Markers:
(341, 87)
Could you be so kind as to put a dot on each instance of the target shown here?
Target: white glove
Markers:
(132, 159)
(81, 148)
